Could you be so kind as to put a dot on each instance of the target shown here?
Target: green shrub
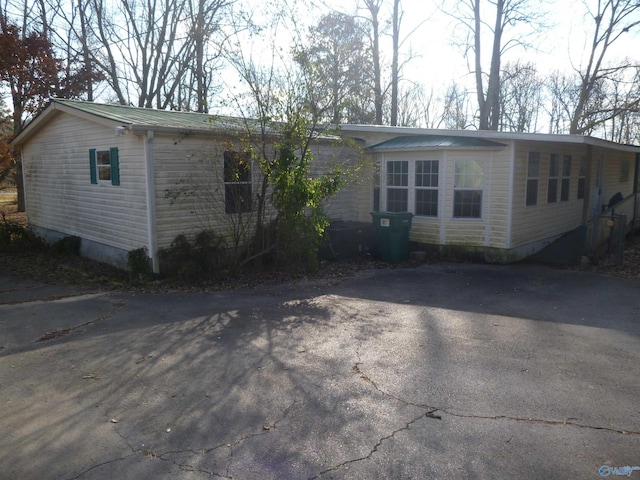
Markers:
(204, 256)
(14, 236)
(139, 265)
(69, 245)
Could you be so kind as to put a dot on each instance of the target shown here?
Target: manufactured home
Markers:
(110, 175)
(495, 195)
(123, 178)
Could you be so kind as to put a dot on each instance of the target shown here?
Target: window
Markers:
(533, 174)
(625, 167)
(552, 185)
(104, 166)
(582, 174)
(565, 182)
(237, 182)
(467, 189)
(397, 186)
(427, 188)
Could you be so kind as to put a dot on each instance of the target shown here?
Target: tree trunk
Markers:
(482, 103)
(394, 63)
(493, 88)
(374, 8)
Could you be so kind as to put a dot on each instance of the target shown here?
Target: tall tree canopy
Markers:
(337, 60)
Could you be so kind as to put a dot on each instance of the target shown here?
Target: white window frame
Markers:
(460, 184)
(533, 177)
(431, 188)
(391, 185)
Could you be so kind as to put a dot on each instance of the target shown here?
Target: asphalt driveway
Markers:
(441, 371)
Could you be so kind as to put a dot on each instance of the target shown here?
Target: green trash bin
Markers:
(393, 235)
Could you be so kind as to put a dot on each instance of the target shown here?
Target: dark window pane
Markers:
(397, 173)
(427, 173)
(553, 165)
(467, 204)
(427, 203)
(397, 199)
(533, 166)
(566, 166)
(564, 190)
(532, 192)
(237, 167)
(237, 179)
(552, 193)
(581, 183)
(237, 197)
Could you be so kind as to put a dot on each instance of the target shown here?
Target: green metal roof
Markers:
(141, 119)
(148, 117)
(416, 142)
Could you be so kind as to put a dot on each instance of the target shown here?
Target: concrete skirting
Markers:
(100, 252)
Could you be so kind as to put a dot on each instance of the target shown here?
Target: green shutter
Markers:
(93, 170)
(115, 166)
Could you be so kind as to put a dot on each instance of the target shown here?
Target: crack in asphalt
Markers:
(429, 414)
(108, 462)
(432, 412)
(66, 331)
(187, 467)
(568, 421)
(564, 423)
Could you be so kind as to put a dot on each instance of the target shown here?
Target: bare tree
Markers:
(612, 20)
(562, 97)
(373, 7)
(521, 95)
(148, 48)
(502, 15)
(395, 69)
(416, 106)
(455, 114)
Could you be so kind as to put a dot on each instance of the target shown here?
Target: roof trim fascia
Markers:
(491, 135)
(51, 111)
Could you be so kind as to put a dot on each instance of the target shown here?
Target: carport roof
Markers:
(418, 142)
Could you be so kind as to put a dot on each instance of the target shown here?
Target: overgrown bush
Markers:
(14, 236)
(139, 265)
(69, 245)
(204, 256)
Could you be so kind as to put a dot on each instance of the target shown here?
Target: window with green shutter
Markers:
(104, 166)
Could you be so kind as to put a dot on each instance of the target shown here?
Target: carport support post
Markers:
(151, 200)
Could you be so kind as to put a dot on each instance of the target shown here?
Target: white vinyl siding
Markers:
(550, 216)
(59, 193)
(199, 161)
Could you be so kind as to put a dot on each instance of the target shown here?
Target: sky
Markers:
(439, 61)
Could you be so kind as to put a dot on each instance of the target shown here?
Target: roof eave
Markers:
(375, 149)
(51, 111)
(492, 135)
